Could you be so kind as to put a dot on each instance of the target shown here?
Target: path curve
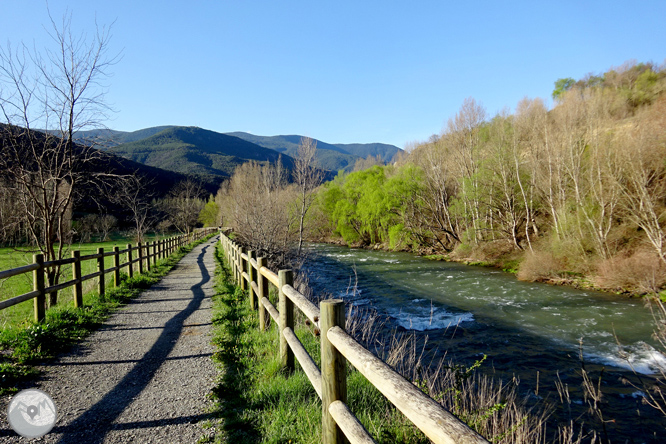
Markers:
(145, 375)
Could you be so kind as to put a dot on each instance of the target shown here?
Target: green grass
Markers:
(17, 285)
(25, 343)
(258, 402)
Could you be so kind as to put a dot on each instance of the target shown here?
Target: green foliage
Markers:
(369, 206)
(562, 85)
(208, 215)
(645, 89)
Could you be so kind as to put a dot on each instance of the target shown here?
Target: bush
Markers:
(539, 266)
(643, 272)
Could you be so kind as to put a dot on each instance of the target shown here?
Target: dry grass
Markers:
(490, 406)
(539, 266)
(642, 272)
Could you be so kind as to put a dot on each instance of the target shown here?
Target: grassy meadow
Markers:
(17, 285)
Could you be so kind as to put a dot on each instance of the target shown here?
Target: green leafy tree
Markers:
(209, 213)
(561, 86)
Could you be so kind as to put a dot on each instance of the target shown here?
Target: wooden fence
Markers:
(146, 256)
(338, 423)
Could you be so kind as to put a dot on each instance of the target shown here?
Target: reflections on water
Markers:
(423, 295)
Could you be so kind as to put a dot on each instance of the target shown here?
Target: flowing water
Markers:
(528, 330)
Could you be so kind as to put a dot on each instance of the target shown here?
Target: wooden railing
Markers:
(147, 255)
(338, 422)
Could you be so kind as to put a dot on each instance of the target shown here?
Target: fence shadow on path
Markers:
(94, 424)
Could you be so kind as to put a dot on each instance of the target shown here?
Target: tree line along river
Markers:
(525, 329)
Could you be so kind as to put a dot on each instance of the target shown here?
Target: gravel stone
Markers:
(145, 375)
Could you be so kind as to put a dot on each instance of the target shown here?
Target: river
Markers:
(528, 330)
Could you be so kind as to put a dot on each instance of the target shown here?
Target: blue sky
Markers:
(343, 71)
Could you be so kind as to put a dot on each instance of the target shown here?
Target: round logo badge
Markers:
(31, 413)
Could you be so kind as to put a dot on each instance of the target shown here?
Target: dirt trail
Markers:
(144, 376)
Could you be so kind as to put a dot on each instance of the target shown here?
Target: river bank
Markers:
(510, 260)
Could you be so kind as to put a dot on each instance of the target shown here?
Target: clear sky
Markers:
(343, 71)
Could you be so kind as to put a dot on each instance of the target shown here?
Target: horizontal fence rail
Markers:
(339, 424)
(147, 255)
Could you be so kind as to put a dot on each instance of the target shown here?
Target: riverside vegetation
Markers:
(573, 194)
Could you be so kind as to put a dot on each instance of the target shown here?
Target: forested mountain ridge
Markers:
(209, 155)
(333, 157)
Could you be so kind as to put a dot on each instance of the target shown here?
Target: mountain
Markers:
(209, 155)
(89, 199)
(384, 151)
(106, 138)
(212, 155)
(332, 157)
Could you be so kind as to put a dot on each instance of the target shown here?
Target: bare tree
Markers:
(59, 91)
(463, 135)
(367, 162)
(643, 183)
(184, 205)
(135, 196)
(256, 203)
(307, 177)
(99, 224)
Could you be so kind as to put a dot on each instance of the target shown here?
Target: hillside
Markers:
(333, 157)
(172, 148)
(106, 138)
(206, 154)
(384, 151)
(88, 198)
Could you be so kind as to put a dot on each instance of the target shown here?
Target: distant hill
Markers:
(89, 199)
(107, 138)
(332, 157)
(384, 151)
(209, 155)
(219, 154)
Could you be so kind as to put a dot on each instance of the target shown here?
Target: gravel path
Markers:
(144, 376)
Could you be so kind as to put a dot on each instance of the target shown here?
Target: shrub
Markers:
(641, 272)
(539, 266)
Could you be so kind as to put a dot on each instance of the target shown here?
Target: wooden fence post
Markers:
(39, 303)
(155, 252)
(253, 278)
(333, 370)
(140, 250)
(100, 268)
(237, 264)
(130, 265)
(148, 265)
(243, 267)
(76, 275)
(263, 293)
(116, 265)
(286, 309)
